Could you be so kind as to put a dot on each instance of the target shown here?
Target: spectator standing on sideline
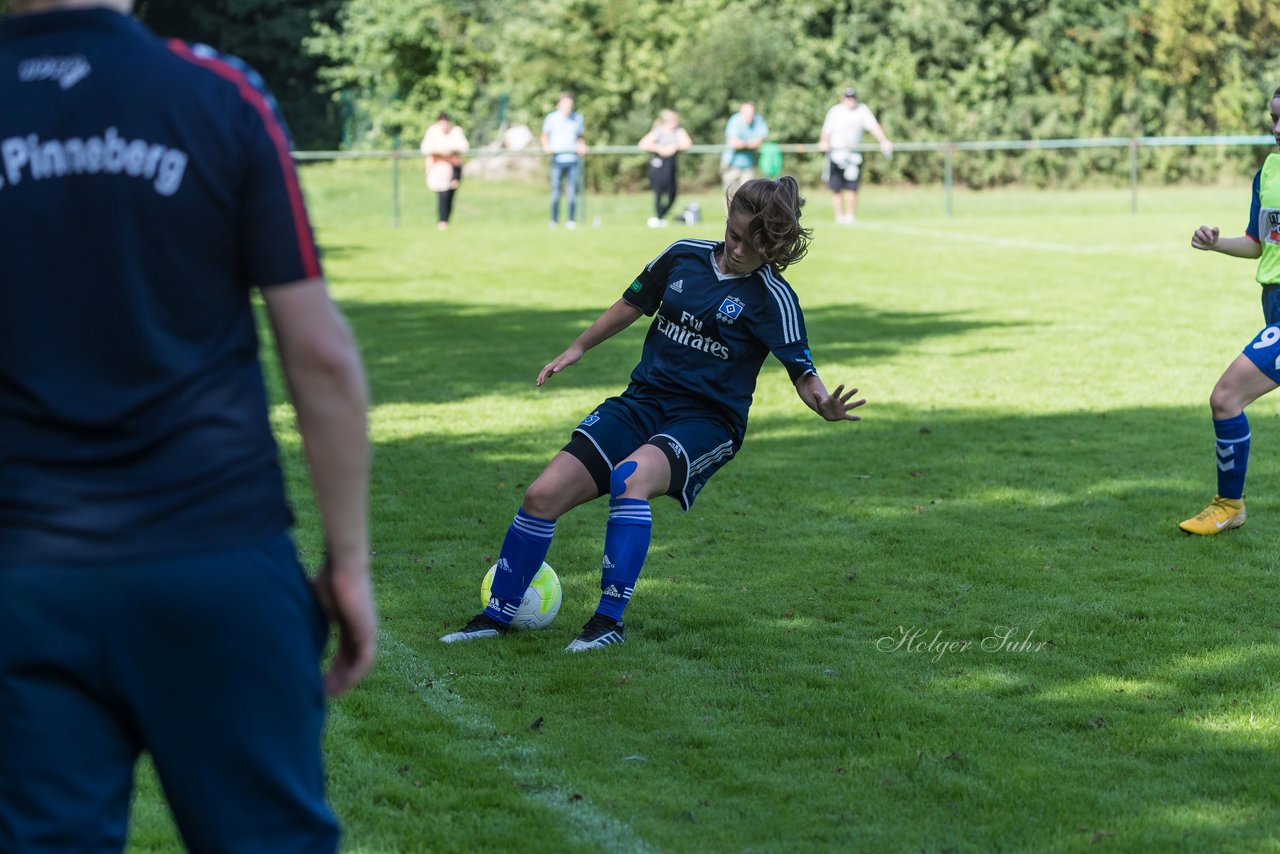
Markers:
(842, 131)
(743, 134)
(443, 145)
(563, 137)
(664, 142)
(150, 595)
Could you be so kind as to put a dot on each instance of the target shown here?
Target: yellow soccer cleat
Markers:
(1222, 514)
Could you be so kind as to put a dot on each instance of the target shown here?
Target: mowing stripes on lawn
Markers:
(583, 821)
(1020, 243)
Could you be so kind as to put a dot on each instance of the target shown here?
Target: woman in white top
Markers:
(443, 145)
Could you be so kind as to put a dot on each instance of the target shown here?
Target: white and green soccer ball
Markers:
(541, 601)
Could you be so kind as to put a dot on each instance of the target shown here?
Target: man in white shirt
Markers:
(841, 134)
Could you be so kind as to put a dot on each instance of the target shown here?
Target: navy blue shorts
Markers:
(208, 662)
(697, 442)
(1271, 304)
(1264, 351)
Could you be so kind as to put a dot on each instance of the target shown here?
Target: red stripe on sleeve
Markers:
(306, 246)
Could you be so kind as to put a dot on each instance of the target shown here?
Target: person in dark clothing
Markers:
(666, 140)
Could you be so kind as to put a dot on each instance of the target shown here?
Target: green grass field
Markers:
(1037, 371)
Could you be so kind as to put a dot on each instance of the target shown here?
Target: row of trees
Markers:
(932, 69)
(370, 73)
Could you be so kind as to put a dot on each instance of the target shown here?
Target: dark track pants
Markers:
(209, 662)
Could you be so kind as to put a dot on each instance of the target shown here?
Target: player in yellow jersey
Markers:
(1256, 371)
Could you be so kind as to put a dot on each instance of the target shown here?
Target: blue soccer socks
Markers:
(523, 551)
(1232, 454)
(626, 543)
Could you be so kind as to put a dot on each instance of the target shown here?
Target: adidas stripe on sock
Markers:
(626, 544)
(523, 551)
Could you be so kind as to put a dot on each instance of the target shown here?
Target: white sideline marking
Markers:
(586, 824)
(1018, 242)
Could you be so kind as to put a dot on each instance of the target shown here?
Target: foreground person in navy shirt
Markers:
(719, 309)
(150, 595)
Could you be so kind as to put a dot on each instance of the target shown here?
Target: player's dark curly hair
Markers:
(774, 207)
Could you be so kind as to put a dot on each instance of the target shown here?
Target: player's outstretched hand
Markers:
(559, 363)
(1206, 237)
(836, 406)
(346, 594)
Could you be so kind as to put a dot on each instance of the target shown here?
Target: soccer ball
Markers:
(541, 601)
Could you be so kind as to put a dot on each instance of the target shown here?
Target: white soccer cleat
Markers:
(599, 631)
(481, 626)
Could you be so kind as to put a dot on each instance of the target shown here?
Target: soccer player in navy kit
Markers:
(150, 595)
(720, 308)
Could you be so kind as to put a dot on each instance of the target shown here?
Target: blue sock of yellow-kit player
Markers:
(1232, 454)
(626, 543)
(523, 551)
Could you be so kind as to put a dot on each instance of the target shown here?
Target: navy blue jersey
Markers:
(1255, 207)
(144, 187)
(711, 332)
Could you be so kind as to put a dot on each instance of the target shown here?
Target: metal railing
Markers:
(948, 149)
